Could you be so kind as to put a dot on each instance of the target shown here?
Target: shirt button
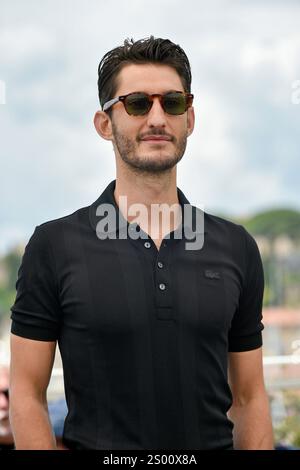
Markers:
(162, 286)
(160, 264)
(147, 244)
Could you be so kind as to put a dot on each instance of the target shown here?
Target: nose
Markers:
(156, 116)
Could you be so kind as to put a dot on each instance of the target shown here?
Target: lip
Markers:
(156, 138)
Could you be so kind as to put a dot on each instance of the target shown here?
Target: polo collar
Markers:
(107, 197)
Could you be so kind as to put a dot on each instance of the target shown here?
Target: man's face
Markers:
(135, 138)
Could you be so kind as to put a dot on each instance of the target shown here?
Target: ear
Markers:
(190, 120)
(103, 125)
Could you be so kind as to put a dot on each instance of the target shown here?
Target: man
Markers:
(146, 323)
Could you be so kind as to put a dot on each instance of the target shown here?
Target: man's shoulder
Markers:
(233, 234)
(54, 228)
(218, 224)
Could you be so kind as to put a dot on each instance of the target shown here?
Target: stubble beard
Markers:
(128, 151)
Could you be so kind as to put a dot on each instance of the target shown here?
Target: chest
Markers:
(118, 288)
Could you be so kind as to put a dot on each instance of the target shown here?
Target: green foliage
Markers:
(288, 431)
(268, 296)
(10, 265)
(274, 223)
(12, 262)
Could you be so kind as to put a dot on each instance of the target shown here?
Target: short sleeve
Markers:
(246, 327)
(36, 310)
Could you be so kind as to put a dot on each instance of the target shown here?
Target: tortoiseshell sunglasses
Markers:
(139, 103)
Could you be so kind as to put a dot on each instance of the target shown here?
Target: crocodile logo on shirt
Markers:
(212, 274)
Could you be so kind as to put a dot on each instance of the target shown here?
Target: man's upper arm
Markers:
(36, 312)
(245, 373)
(31, 366)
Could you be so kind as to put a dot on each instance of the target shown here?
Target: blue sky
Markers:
(244, 153)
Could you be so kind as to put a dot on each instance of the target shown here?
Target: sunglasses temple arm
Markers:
(109, 103)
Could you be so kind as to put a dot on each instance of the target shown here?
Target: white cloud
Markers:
(19, 45)
(281, 53)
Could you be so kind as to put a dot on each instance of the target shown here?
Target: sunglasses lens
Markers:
(175, 103)
(137, 104)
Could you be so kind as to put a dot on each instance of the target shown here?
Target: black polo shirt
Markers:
(144, 334)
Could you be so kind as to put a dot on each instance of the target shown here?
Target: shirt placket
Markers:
(163, 295)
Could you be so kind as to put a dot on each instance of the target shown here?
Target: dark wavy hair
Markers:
(147, 50)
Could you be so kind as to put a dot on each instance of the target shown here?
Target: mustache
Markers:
(155, 132)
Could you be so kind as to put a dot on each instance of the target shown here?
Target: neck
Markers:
(148, 190)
